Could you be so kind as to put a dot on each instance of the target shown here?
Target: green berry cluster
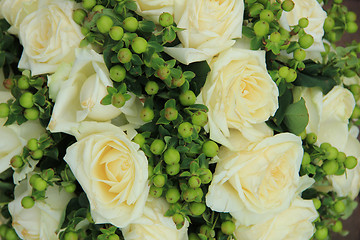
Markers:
(8, 233)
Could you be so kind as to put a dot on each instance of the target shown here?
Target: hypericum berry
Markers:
(261, 28)
(98, 8)
(306, 41)
(155, 192)
(88, 4)
(173, 169)
(355, 89)
(275, 37)
(84, 31)
(178, 218)
(199, 118)
(199, 192)
(151, 88)
(9, 83)
(40, 184)
(210, 148)
(350, 162)
(32, 144)
(159, 180)
(329, 24)
(3, 229)
(325, 145)
(17, 161)
(311, 138)
(139, 45)
(306, 159)
(171, 156)
(331, 153)
(341, 157)
(37, 154)
(185, 129)
(70, 188)
(283, 71)
(255, 9)
(350, 16)
(147, 114)
(27, 100)
(118, 100)
(193, 236)
(267, 15)
(206, 177)
(139, 139)
(116, 33)
(317, 203)
(321, 233)
(171, 114)
(163, 72)
(207, 230)
(189, 195)
(187, 98)
(351, 27)
(172, 195)
(79, 16)
(157, 146)
(197, 208)
(131, 24)
(330, 167)
(337, 227)
(166, 19)
(71, 236)
(194, 182)
(113, 237)
(124, 55)
(117, 73)
(27, 202)
(33, 179)
(356, 112)
(31, 113)
(104, 24)
(303, 22)
(292, 75)
(228, 227)
(302, 135)
(287, 5)
(338, 1)
(4, 110)
(339, 206)
(178, 82)
(23, 83)
(11, 234)
(299, 55)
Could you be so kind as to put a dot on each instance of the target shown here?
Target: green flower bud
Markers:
(104, 24)
(172, 195)
(4, 110)
(173, 169)
(147, 114)
(171, 114)
(79, 16)
(261, 28)
(171, 156)
(166, 19)
(27, 202)
(210, 149)
(185, 129)
(197, 208)
(139, 45)
(131, 24)
(155, 192)
(27, 100)
(151, 88)
(228, 227)
(187, 98)
(157, 146)
(31, 113)
(116, 33)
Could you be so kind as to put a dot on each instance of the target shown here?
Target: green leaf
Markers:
(146, 26)
(106, 100)
(305, 80)
(194, 166)
(169, 35)
(255, 43)
(162, 120)
(155, 45)
(170, 103)
(200, 69)
(136, 60)
(248, 32)
(175, 73)
(111, 90)
(131, 5)
(296, 117)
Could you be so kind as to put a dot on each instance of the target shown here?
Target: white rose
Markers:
(209, 28)
(240, 95)
(312, 10)
(49, 36)
(112, 171)
(293, 223)
(152, 9)
(153, 225)
(78, 95)
(43, 220)
(258, 183)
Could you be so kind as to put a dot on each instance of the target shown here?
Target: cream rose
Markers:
(112, 171)
(240, 96)
(43, 220)
(153, 225)
(209, 27)
(293, 223)
(49, 36)
(152, 9)
(256, 184)
(78, 94)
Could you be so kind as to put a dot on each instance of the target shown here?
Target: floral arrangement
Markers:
(181, 119)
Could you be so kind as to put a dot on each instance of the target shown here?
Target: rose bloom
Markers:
(49, 36)
(152, 9)
(294, 223)
(43, 220)
(78, 94)
(112, 171)
(255, 184)
(240, 95)
(209, 28)
(153, 225)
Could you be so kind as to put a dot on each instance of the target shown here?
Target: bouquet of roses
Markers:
(181, 119)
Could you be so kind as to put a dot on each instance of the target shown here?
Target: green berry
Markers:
(17, 161)
(118, 100)
(339, 206)
(331, 153)
(33, 179)
(287, 5)
(194, 182)
(303, 22)
(283, 71)
(79, 16)
(159, 180)
(197, 208)
(292, 75)
(147, 114)
(172, 195)
(3, 230)
(71, 236)
(207, 230)
(84, 31)
(151, 88)
(31, 113)
(166, 19)
(193, 236)
(337, 227)
(302, 135)
(23, 83)
(321, 233)
(350, 162)
(261, 28)
(275, 37)
(32, 144)
(163, 72)
(306, 41)
(341, 157)
(299, 55)
(131, 24)
(171, 156)
(255, 9)
(189, 195)
(317, 203)
(98, 8)
(351, 27)
(206, 177)
(37, 154)
(350, 16)
(139, 139)
(11, 234)
(9, 83)
(325, 145)
(116, 33)
(356, 112)
(311, 138)
(199, 118)
(113, 237)
(228, 227)
(173, 169)
(70, 188)
(355, 89)
(199, 192)
(139, 45)
(40, 184)
(27, 202)
(124, 55)
(117, 73)
(178, 82)
(27, 100)
(306, 159)
(178, 218)
(185, 129)
(171, 114)
(157, 146)
(330, 167)
(267, 15)
(104, 24)
(4, 110)
(88, 4)
(187, 98)
(210, 149)
(155, 192)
